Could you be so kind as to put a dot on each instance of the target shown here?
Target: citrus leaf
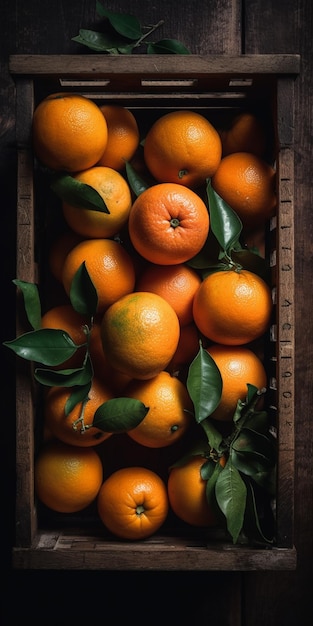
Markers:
(224, 222)
(63, 378)
(167, 46)
(207, 469)
(213, 435)
(119, 415)
(126, 25)
(231, 494)
(253, 262)
(252, 452)
(211, 483)
(83, 294)
(48, 346)
(79, 394)
(101, 42)
(78, 194)
(204, 384)
(31, 302)
(136, 182)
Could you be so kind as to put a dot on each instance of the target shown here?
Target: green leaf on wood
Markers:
(126, 25)
(31, 302)
(167, 46)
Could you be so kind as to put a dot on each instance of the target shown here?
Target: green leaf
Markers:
(119, 415)
(136, 182)
(101, 42)
(253, 262)
(79, 394)
(252, 452)
(31, 302)
(83, 294)
(78, 194)
(231, 494)
(65, 378)
(167, 46)
(48, 346)
(126, 25)
(204, 384)
(211, 483)
(224, 222)
(214, 437)
(252, 522)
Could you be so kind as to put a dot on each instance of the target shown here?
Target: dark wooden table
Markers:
(227, 27)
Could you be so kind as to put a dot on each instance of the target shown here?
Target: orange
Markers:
(170, 410)
(67, 478)
(133, 503)
(109, 266)
(114, 380)
(58, 251)
(114, 191)
(168, 224)
(247, 183)
(123, 136)
(182, 147)
(64, 317)
(245, 134)
(233, 307)
(140, 334)
(238, 366)
(187, 493)
(69, 132)
(175, 283)
(69, 428)
(187, 349)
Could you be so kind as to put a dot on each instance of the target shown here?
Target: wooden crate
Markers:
(216, 84)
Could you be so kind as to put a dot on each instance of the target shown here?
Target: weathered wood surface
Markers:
(232, 599)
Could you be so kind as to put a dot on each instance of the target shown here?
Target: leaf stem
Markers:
(151, 30)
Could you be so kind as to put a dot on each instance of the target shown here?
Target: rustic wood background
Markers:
(226, 599)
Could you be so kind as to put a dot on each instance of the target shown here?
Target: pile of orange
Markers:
(153, 307)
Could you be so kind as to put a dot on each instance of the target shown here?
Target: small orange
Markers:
(247, 183)
(69, 132)
(175, 283)
(115, 192)
(246, 133)
(109, 266)
(140, 334)
(187, 349)
(133, 503)
(238, 366)
(233, 307)
(70, 428)
(58, 251)
(182, 147)
(168, 224)
(64, 317)
(170, 410)
(187, 493)
(123, 136)
(67, 478)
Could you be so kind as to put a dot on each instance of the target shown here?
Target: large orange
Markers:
(233, 307)
(115, 192)
(247, 183)
(69, 132)
(168, 224)
(123, 136)
(64, 317)
(67, 478)
(140, 333)
(170, 410)
(109, 266)
(71, 428)
(246, 133)
(133, 503)
(238, 366)
(175, 283)
(187, 493)
(182, 147)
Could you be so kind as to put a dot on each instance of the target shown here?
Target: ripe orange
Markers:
(114, 191)
(168, 224)
(140, 334)
(69, 428)
(69, 132)
(170, 410)
(187, 349)
(182, 147)
(232, 307)
(247, 183)
(245, 134)
(58, 251)
(187, 493)
(175, 283)
(114, 380)
(123, 136)
(109, 265)
(238, 366)
(64, 317)
(67, 478)
(133, 503)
